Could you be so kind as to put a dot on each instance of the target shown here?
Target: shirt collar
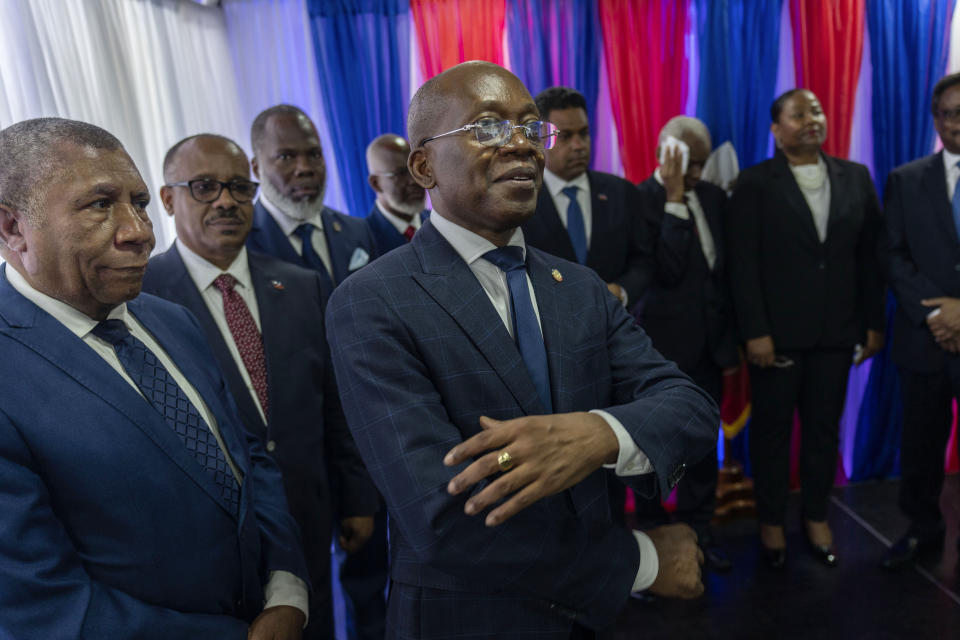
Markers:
(950, 160)
(467, 244)
(77, 322)
(289, 224)
(203, 272)
(555, 184)
(398, 222)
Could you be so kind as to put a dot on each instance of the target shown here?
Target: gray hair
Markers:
(30, 158)
(679, 126)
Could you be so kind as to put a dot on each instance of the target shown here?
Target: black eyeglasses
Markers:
(951, 115)
(206, 190)
(496, 133)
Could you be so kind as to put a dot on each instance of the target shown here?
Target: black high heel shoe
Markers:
(774, 558)
(826, 555)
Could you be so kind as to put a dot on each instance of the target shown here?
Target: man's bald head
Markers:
(683, 127)
(432, 99)
(384, 146)
(171, 159)
(397, 192)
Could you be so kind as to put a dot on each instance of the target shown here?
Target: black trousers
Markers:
(926, 429)
(816, 385)
(697, 489)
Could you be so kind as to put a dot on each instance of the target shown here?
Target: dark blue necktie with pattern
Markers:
(576, 228)
(526, 329)
(166, 396)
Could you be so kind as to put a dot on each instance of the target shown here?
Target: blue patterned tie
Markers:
(166, 396)
(575, 225)
(310, 257)
(956, 205)
(526, 329)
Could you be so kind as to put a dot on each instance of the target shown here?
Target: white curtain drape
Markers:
(155, 71)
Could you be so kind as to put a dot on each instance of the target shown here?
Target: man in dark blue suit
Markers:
(469, 364)
(922, 205)
(586, 216)
(686, 311)
(134, 504)
(290, 221)
(399, 208)
(257, 311)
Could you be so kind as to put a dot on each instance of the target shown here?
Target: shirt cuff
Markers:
(630, 460)
(933, 313)
(623, 296)
(677, 209)
(284, 588)
(649, 563)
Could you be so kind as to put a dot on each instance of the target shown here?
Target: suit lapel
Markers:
(838, 192)
(273, 312)
(599, 221)
(935, 186)
(267, 237)
(50, 340)
(333, 233)
(449, 281)
(553, 232)
(786, 185)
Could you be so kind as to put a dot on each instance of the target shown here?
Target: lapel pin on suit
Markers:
(557, 275)
(336, 226)
(602, 196)
(277, 285)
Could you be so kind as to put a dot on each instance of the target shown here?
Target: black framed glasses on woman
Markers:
(207, 190)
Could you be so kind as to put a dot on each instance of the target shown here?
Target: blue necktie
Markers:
(526, 329)
(310, 257)
(166, 396)
(956, 205)
(575, 226)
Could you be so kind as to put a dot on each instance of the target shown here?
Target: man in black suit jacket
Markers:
(685, 310)
(600, 226)
(398, 210)
(264, 319)
(923, 259)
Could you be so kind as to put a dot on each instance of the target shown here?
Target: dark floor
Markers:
(854, 601)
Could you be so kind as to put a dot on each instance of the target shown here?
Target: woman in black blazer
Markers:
(803, 235)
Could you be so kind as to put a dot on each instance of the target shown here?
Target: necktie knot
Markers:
(570, 192)
(507, 258)
(408, 232)
(225, 283)
(305, 230)
(112, 331)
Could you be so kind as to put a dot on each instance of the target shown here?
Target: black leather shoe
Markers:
(715, 559)
(826, 555)
(774, 558)
(908, 549)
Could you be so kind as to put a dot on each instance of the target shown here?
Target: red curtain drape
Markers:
(828, 49)
(452, 31)
(643, 46)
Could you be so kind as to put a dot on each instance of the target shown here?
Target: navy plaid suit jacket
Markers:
(420, 354)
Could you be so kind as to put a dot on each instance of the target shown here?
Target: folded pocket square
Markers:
(358, 259)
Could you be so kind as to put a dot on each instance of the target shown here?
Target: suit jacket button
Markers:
(271, 446)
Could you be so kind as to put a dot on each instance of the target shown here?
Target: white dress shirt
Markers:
(555, 186)
(399, 223)
(282, 588)
(203, 274)
(630, 459)
(683, 212)
(288, 224)
(818, 196)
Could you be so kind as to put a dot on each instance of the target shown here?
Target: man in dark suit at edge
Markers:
(922, 205)
(264, 319)
(468, 363)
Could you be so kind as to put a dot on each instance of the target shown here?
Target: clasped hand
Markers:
(945, 326)
(549, 453)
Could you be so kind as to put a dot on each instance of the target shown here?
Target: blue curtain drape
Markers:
(908, 47)
(362, 49)
(739, 43)
(556, 43)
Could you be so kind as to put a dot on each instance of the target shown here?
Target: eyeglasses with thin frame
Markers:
(496, 133)
(207, 190)
(949, 115)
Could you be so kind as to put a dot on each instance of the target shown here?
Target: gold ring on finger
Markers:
(505, 461)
